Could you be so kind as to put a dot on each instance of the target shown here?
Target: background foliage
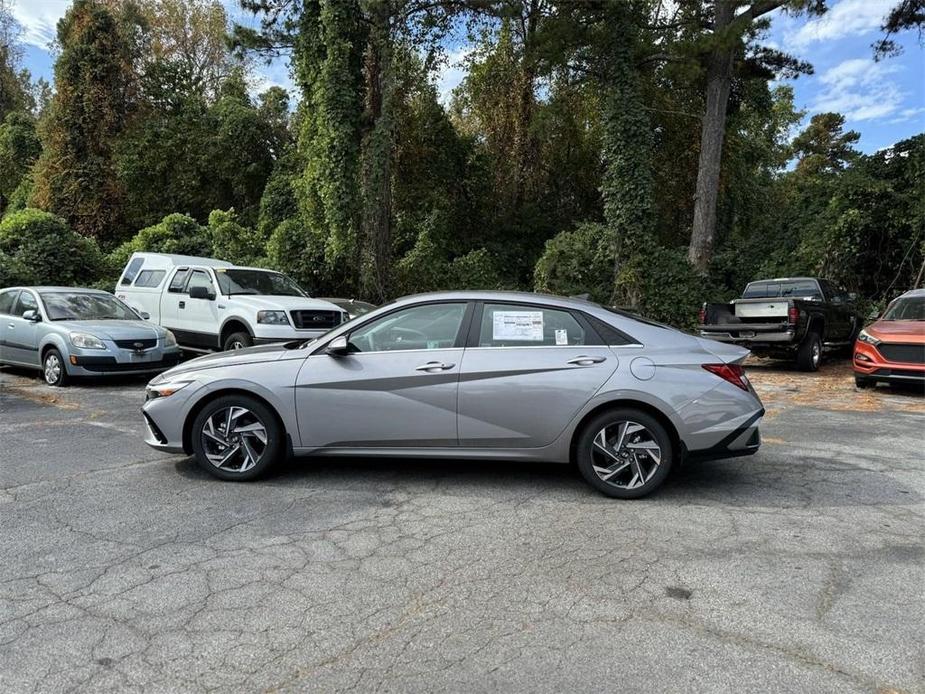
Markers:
(566, 161)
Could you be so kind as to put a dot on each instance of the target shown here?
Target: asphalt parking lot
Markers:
(799, 569)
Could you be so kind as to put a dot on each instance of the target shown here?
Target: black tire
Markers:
(587, 454)
(809, 356)
(55, 377)
(238, 340)
(864, 382)
(205, 445)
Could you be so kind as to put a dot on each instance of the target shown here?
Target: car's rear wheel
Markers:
(53, 368)
(809, 355)
(237, 438)
(624, 453)
(238, 340)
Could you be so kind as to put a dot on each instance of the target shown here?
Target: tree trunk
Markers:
(719, 81)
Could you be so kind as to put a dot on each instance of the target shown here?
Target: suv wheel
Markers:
(624, 453)
(237, 341)
(53, 368)
(809, 355)
(236, 438)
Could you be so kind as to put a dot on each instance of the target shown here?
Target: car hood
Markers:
(114, 329)
(238, 357)
(910, 331)
(260, 302)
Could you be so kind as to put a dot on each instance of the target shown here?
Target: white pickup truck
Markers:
(213, 305)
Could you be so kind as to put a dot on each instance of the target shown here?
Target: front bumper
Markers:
(869, 362)
(165, 416)
(120, 361)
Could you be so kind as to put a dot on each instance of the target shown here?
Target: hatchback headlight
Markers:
(165, 389)
(865, 336)
(273, 317)
(170, 340)
(85, 341)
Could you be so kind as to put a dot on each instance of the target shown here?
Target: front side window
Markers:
(200, 278)
(513, 325)
(237, 281)
(179, 280)
(26, 302)
(6, 301)
(432, 326)
(77, 306)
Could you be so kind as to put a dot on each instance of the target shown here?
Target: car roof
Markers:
(502, 296)
(786, 279)
(183, 259)
(49, 288)
(912, 294)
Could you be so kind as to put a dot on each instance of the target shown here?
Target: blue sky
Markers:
(884, 101)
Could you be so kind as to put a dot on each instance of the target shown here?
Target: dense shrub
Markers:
(578, 261)
(477, 269)
(40, 248)
(176, 233)
(233, 242)
(298, 252)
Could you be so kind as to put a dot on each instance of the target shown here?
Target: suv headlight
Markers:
(165, 389)
(865, 336)
(170, 340)
(273, 317)
(85, 341)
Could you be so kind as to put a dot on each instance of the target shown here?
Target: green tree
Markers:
(19, 148)
(75, 176)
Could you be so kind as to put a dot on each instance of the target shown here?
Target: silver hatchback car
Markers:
(79, 332)
(468, 375)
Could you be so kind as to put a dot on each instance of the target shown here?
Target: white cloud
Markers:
(38, 19)
(861, 89)
(847, 18)
(452, 72)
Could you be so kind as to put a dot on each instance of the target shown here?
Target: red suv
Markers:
(893, 348)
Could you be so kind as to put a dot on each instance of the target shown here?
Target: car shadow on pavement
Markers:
(808, 482)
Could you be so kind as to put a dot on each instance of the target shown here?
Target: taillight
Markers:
(703, 316)
(793, 315)
(734, 373)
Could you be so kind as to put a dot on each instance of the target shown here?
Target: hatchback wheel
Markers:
(236, 438)
(624, 453)
(53, 368)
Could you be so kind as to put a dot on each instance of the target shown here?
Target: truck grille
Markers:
(909, 354)
(137, 345)
(315, 320)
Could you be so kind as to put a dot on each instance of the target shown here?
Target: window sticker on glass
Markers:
(524, 326)
(561, 337)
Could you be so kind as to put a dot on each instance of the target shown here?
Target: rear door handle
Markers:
(434, 366)
(586, 361)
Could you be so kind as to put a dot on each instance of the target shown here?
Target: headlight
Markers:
(865, 336)
(166, 389)
(170, 340)
(272, 317)
(85, 341)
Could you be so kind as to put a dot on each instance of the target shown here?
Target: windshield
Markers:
(911, 308)
(769, 290)
(233, 282)
(61, 306)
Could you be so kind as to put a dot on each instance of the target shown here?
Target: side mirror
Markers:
(873, 315)
(338, 347)
(853, 296)
(32, 316)
(200, 293)
(145, 315)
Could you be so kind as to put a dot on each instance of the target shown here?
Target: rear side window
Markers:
(178, 281)
(515, 325)
(150, 278)
(6, 301)
(132, 270)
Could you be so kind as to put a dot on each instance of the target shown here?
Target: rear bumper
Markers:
(746, 337)
(868, 362)
(744, 439)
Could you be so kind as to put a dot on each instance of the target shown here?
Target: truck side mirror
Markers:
(200, 292)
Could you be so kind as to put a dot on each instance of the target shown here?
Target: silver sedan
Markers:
(69, 332)
(468, 375)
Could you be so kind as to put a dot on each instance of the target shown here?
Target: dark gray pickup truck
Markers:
(787, 318)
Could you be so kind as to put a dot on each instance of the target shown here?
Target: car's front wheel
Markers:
(236, 437)
(53, 368)
(624, 453)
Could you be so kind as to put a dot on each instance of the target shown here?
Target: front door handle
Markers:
(182, 304)
(434, 366)
(586, 361)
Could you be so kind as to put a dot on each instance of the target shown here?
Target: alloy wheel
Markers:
(237, 344)
(625, 454)
(234, 439)
(52, 369)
